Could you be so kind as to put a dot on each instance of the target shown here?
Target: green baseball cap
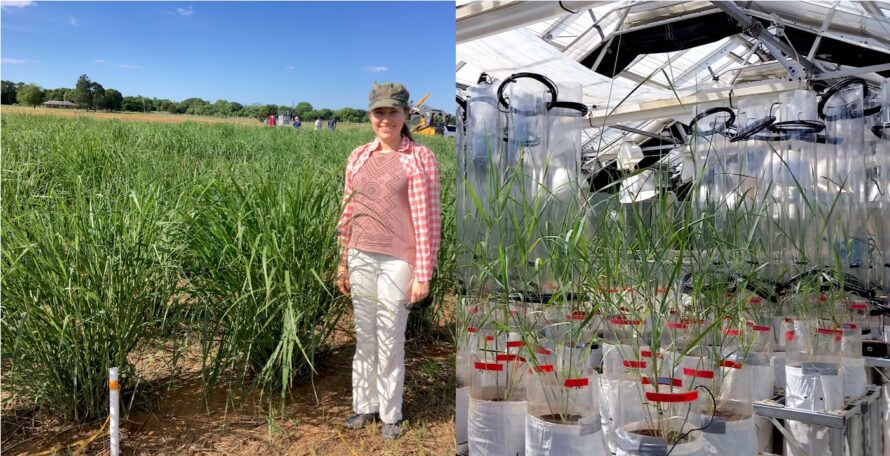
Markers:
(388, 95)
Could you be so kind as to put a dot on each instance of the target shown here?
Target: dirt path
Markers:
(177, 421)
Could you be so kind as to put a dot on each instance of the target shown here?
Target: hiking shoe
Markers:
(392, 431)
(359, 420)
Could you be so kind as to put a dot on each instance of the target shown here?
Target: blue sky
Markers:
(326, 53)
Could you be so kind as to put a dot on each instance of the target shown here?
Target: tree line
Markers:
(88, 94)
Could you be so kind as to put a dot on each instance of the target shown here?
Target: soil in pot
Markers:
(671, 437)
(561, 418)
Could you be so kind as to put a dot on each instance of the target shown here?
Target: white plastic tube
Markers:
(114, 412)
(462, 406)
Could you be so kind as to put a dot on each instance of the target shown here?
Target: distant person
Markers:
(297, 123)
(318, 123)
(271, 121)
(332, 124)
(389, 237)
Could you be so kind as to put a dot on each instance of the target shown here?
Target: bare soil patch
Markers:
(172, 417)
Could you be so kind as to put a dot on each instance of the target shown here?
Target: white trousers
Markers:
(380, 299)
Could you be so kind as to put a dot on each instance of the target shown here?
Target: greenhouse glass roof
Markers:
(645, 64)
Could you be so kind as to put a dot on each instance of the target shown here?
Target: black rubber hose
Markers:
(551, 87)
(708, 112)
(752, 129)
(833, 90)
(580, 107)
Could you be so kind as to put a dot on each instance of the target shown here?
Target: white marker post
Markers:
(115, 415)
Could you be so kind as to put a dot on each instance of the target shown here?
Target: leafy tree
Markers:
(83, 92)
(254, 110)
(352, 115)
(99, 101)
(30, 94)
(166, 105)
(133, 104)
(113, 100)
(56, 94)
(195, 106)
(270, 110)
(225, 108)
(303, 109)
(9, 92)
(325, 113)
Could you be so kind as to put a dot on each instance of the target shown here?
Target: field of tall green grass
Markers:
(116, 235)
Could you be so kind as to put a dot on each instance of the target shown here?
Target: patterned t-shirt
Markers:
(382, 221)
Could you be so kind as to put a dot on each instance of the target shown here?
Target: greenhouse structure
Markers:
(673, 222)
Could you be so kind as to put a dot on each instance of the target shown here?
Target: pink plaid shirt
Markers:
(422, 170)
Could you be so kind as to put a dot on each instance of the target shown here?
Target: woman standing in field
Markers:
(389, 236)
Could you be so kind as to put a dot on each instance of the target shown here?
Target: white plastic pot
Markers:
(545, 438)
(632, 444)
(778, 361)
(815, 390)
(462, 406)
(730, 438)
(496, 428)
(855, 377)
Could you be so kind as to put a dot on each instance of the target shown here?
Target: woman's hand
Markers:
(419, 290)
(343, 280)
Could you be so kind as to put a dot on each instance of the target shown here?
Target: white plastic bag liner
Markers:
(815, 389)
(855, 377)
(461, 406)
(778, 361)
(544, 438)
(630, 444)
(763, 387)
(885, 415)
(730, 438)
(496, 428)
(620, 402)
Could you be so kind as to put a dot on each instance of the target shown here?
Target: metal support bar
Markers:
(644, 133)
(837, 420)
(873, 9)
(775, 46)
(852, 71)
(672, 107)
(596, 24)
(640, 78)
(871, 361)
(708, 60)
(478, 20)
(825, 24)
(751, 50)
(559, 26)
